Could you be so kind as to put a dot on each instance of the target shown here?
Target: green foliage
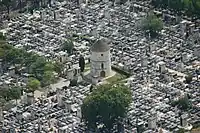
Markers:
(7, 4)
(123, 72)
(191, 7)
(2, 102)
(33, 84)
(182, 103)
(181, 130)
(188, 79)
(120, 2)
(4, 94)
(48, 78)
(58, 67)
(10, 93)
(15, 56)
(49, 66)
(2, 37)
(35, 65)
(68, 46)
(2, 53)
(73, 82)
(15, 93)
(106, 105)
(152, 25)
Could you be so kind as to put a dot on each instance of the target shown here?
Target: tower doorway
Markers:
(102, 73)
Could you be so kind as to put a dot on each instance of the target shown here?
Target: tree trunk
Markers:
(41, 1)
(26, 2)
(8, 10)
(50, 3)
(16, 101)
(20, 5)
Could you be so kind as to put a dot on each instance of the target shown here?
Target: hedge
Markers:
(117, 69)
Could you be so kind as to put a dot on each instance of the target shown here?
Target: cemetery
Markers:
(162, 72)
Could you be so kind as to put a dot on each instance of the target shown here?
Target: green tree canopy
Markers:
(2, 102)
(191, 7)
(73, 82)
(49, 67)
(35, 65)
(68, 46)
(7, 4)
(15, 93)
(58, 67)
(37, 68)
(4, 94)
(188, 78)
(2, 37)
(181, 130)
(106, 105)
(33, 84)
(48, 78)
(182, 103)
(152, 25)
(2, 53)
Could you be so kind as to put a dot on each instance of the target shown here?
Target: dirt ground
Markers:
(196, 130)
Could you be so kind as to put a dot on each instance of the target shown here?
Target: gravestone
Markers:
(52, 2)
(80, 2)
(192, 28)
(59, 97)
(197, 51)
(107, 14)
(62, 56)
(95, 80)
(19, 115)
(167, 78)
(79, 115)
(152, 47)
(12, 71)
(162, 67)
(30, 98)
(1, 114)
(70, 74)
(94, 32)
(1, 68)
(183, 26)
(5, 24)
(56, 15)
(116, 2)
(178, 18)
(43, 15)
(33, 112)
(144, 61)
(184, 57)
(181, 66)
(68, 105)
(86, 2)
(152, 122)
(183, 120)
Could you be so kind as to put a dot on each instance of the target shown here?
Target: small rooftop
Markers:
(100, 45)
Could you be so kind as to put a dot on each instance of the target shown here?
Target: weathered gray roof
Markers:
(100, 45)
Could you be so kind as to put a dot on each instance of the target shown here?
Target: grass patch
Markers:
(87, 67)
(197, 130)
(116, 78)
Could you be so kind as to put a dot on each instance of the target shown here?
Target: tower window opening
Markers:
(102, 66)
